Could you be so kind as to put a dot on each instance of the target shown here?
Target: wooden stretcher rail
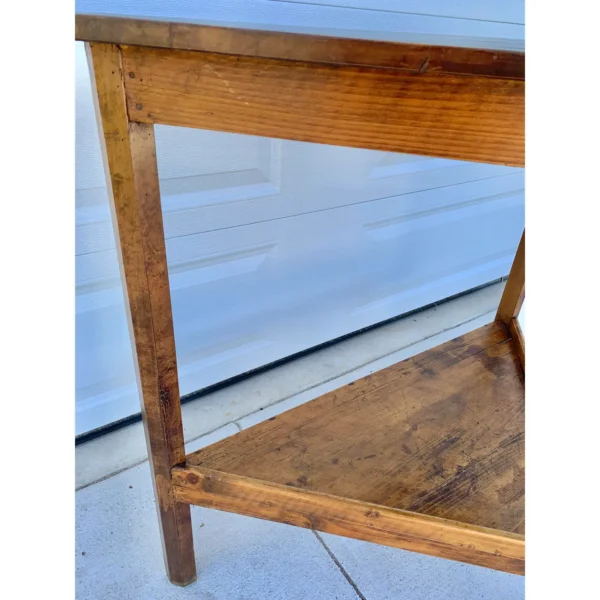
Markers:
(349, 518)
(460, 117)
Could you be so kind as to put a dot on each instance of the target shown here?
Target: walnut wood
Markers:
(514, 292)
(460, 117)
(130, 159)
(349, 518)
(518, 339)
(440, 434)
(179, 35)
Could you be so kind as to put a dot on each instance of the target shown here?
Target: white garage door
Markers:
(277, 246)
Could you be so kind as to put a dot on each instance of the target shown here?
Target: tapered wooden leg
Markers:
(130, 161)
(514, 292)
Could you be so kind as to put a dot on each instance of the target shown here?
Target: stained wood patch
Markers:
(453, 116)
(439, 435)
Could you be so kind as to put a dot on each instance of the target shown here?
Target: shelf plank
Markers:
(440, 435)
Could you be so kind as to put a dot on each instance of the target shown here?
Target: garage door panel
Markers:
(248, 295)
(105, 377)
(373, 278)
(222, 200)
(409, 206)
(428, 246)
(276, 246)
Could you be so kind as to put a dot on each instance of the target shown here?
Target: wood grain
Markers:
(514, 292)
(518, 339)
(359, 520)
(427, 455)
(130, 162)
(299, 47)
(462, 117)
(440, 434)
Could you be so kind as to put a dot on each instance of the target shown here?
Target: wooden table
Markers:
(426, 455)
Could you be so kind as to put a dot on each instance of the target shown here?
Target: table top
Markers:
(415, 52)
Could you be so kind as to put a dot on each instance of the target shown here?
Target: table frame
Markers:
(457, 103)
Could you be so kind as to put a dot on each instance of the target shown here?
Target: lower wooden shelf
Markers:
(426, 455)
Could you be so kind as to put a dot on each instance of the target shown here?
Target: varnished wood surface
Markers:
(179, 35)
(440, 434)
(425, 455)
(349, 518)
(514, 292)
(130, 161)
(463, 117)
(518, 339)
